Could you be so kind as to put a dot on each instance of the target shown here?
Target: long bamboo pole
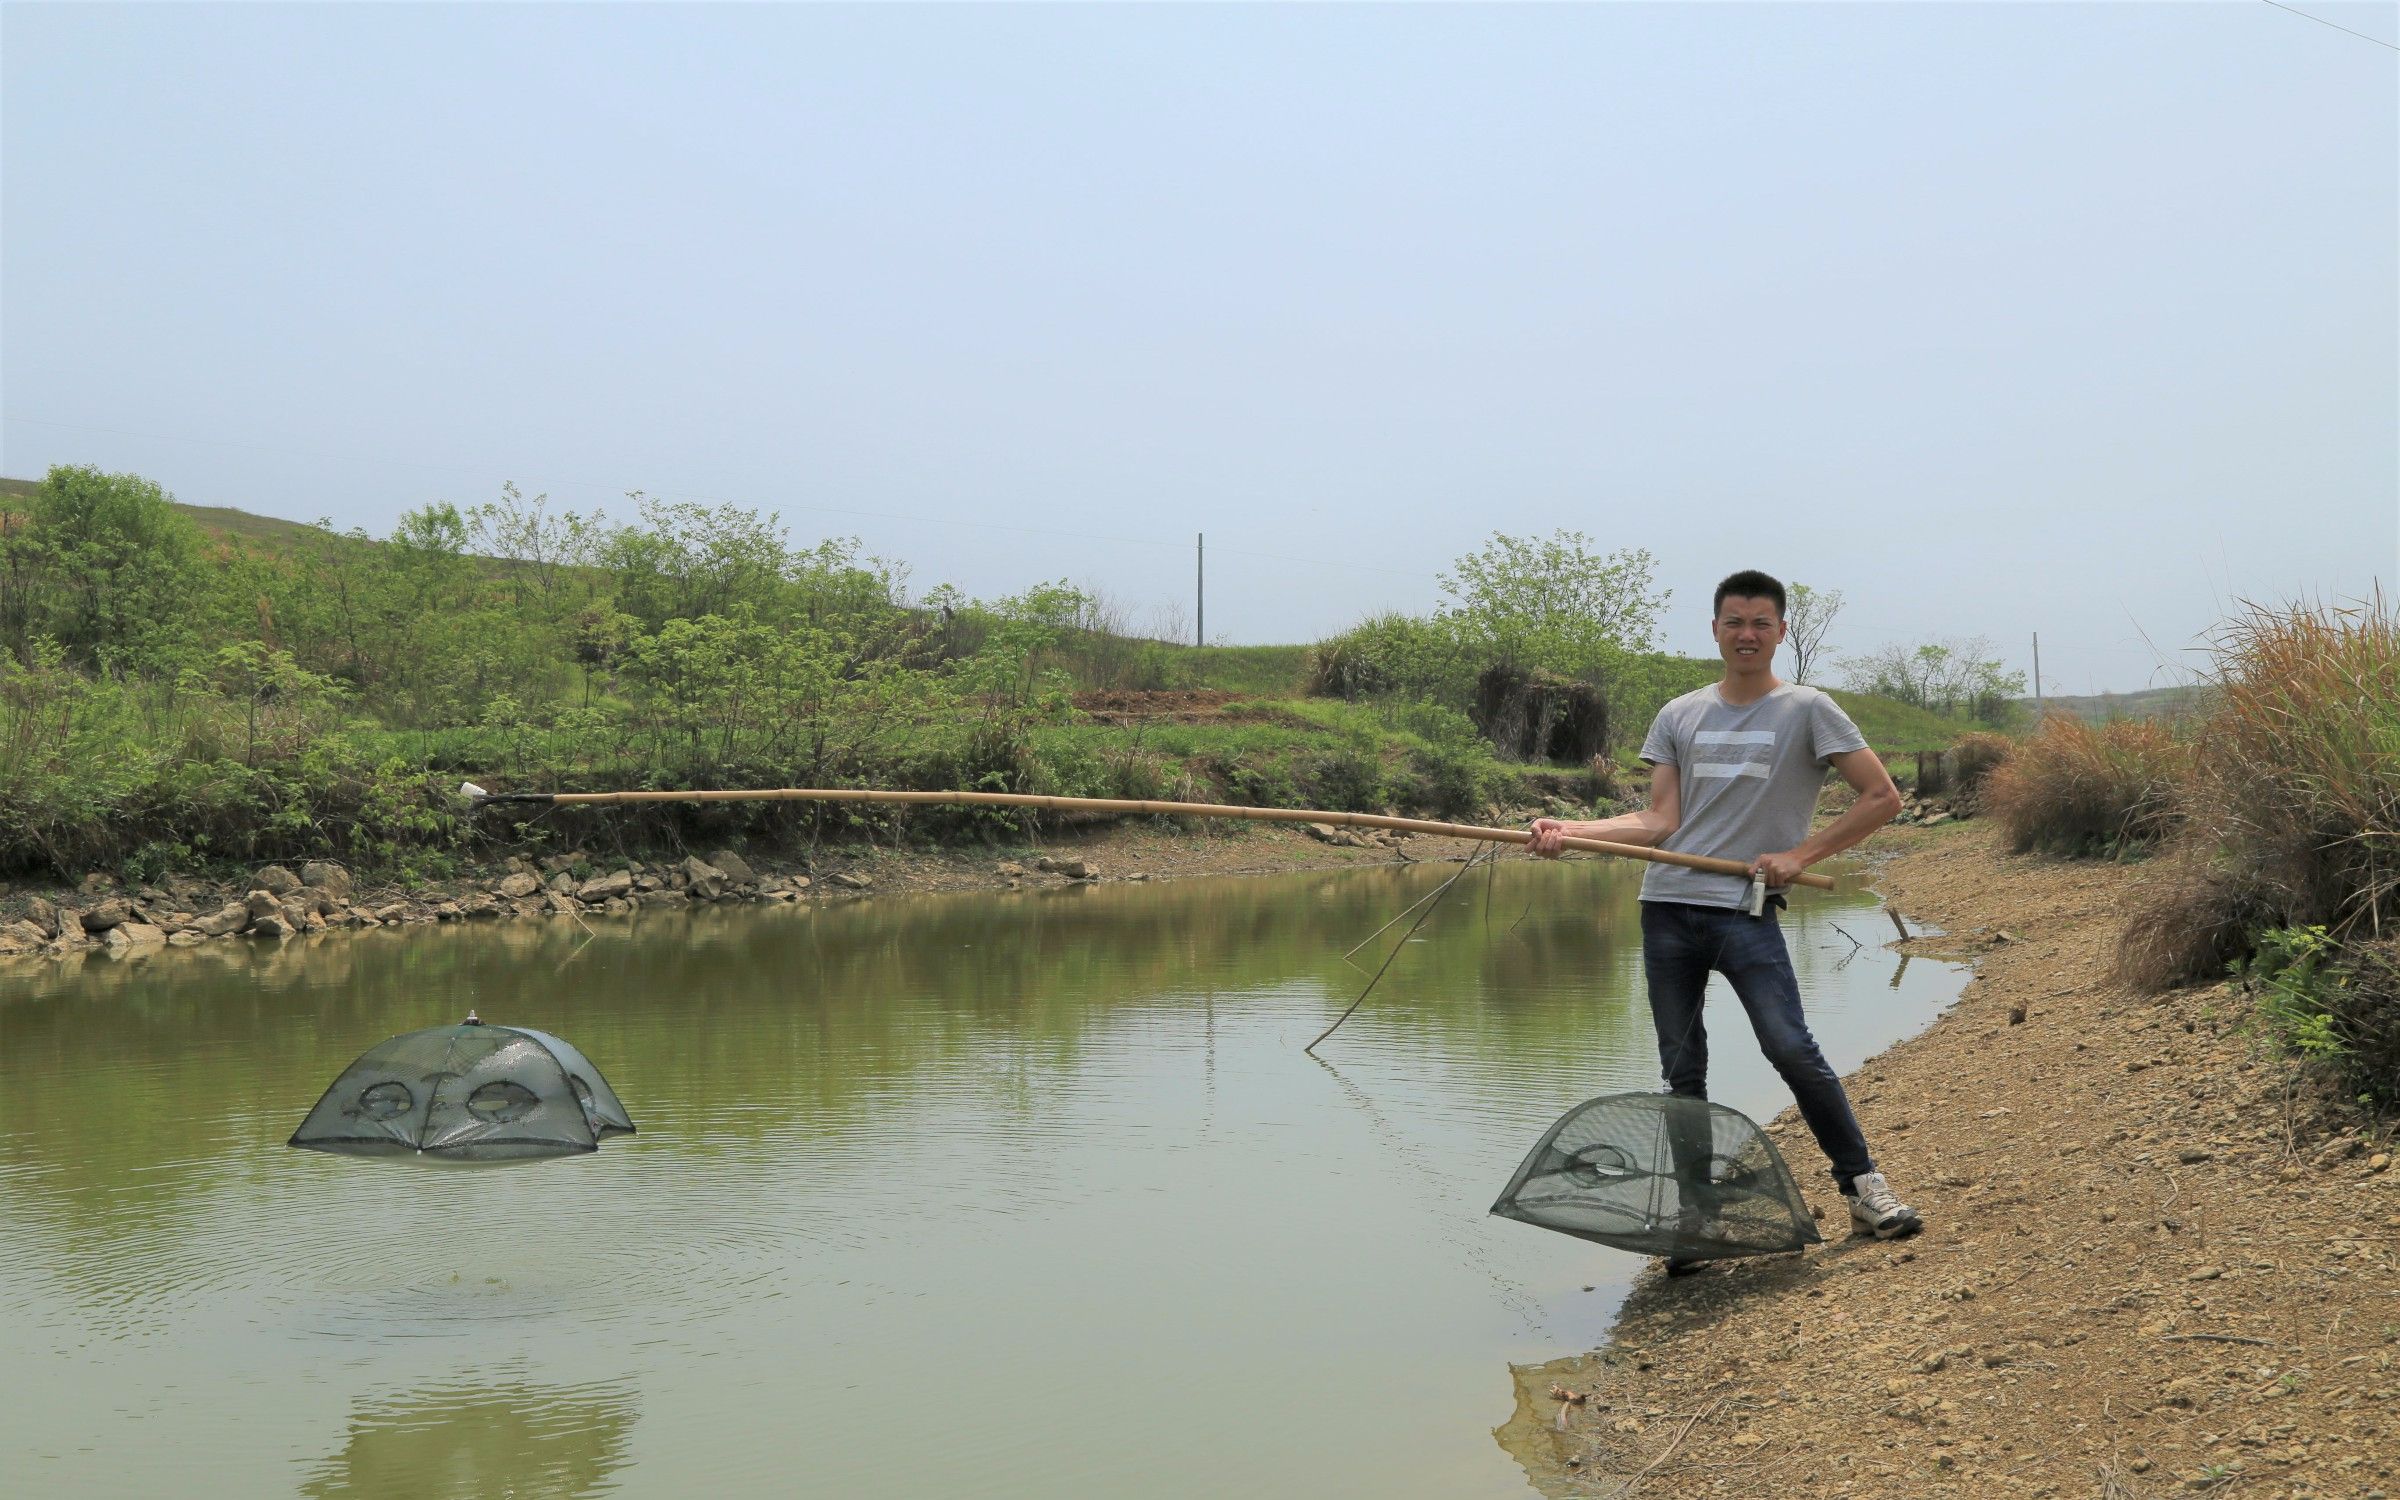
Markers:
(1130, 807)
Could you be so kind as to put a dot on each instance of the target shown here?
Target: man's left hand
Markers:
(1780, 869)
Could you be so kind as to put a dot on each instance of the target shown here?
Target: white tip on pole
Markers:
(470, 789)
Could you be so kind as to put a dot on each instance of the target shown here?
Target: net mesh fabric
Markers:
(1661, 1175)
(466, 1093)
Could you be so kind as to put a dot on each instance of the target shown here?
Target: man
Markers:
(1735, 769)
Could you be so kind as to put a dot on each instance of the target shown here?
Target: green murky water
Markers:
(1023, 1195)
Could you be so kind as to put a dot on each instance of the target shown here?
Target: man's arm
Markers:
(1650, 827)
(1878, 803)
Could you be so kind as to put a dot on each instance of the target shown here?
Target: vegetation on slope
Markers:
(182, 686)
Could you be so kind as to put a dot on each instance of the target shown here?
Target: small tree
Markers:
(1808, 615)
(685, 560)
(104, 565)
(1553, 603)
(1959, 677)
(283, 706)
(546, 553)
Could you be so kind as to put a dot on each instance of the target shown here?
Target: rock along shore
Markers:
(2152, 1265)
(276, 903)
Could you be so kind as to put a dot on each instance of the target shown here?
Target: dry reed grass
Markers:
(2293, 813)
(2298, 777)
(2078, 789)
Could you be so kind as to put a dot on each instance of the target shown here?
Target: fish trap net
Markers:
(466, 1093)
(1657, 1174)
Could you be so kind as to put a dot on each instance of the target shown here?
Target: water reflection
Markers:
(499, 1437)
(1060, 1145)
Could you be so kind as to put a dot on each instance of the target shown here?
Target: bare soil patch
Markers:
(1178, 706)
(1140, 850)
(2154, 1262)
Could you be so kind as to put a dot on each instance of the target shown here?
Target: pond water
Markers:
(1005, 1195)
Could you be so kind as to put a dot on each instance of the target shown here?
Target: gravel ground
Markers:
(2155, 1261)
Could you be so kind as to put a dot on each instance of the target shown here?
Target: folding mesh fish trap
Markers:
(1657, 1174)
(474, 1092)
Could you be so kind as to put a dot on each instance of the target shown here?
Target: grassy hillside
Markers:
(1265, 671)
(1277, 671)
(216, 520)
(2102, 708)
(274, 692)
(1895, 728)
(1892, 727)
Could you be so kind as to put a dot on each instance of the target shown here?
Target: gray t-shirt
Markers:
(1750, 777)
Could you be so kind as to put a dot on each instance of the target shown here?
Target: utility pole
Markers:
(1200, 590)
(2037, 677)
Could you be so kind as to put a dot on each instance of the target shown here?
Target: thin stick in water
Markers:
(1396, 916)
(1430, 907)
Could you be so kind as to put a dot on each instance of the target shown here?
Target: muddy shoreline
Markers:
(2156, 1261)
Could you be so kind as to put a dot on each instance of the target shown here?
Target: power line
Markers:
(2321, 21)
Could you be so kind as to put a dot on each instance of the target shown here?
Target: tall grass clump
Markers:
(2294, 824)
(2294, 796)
(2089, 789)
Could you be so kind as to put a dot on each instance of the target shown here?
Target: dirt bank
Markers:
(2151, 1265)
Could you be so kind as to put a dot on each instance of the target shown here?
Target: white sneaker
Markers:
(1876, 1208)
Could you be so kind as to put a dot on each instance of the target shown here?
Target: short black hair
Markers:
(1748, 584)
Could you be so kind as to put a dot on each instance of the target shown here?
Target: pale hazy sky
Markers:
(1999, 318)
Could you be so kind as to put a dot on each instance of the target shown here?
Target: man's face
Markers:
(1747, 632)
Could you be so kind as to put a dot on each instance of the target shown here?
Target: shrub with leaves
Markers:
(1392, 655)
(2296, 984)
(2331, 1003)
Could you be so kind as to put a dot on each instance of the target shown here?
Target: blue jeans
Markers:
(1680, 945)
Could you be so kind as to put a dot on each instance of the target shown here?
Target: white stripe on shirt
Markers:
(1722, 768)
(1733, 737)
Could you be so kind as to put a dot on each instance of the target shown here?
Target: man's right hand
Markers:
(1549, 838)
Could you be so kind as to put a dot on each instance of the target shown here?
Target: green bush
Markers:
(1349, 777)
(1391, 654)
(1452, 782)
(2331, 1003)
(1267, 783)
(2292, 975)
